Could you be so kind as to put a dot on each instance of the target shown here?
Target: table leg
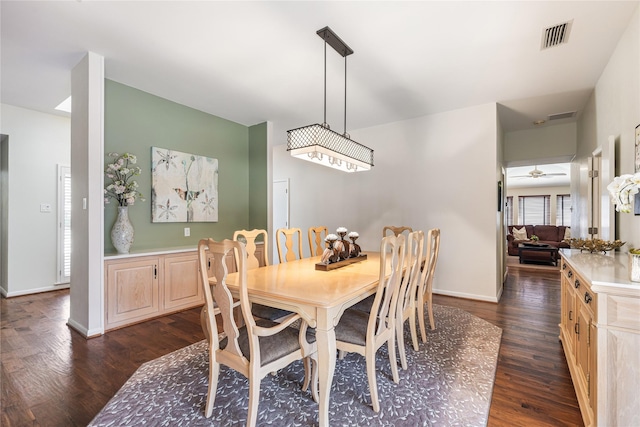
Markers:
(326, 340)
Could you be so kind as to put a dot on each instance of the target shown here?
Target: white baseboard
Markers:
(467, 296)
(33, 291)
(87, 333)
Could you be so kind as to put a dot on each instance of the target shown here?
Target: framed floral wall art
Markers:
(184, 187)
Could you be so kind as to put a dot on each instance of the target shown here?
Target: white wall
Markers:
(548, 144)
(537, 191)
(614, 109)
(38, 142)
(417, 180)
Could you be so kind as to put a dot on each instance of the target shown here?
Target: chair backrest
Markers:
(396, 230)
(316, 240)
(254, 260)
(431, 259)
(291, 238)
(383, 310)
(414, 257)
(219, 296)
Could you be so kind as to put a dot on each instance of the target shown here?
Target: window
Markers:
(64, 224)
(563, 210)
(534, 210)
(508, 210)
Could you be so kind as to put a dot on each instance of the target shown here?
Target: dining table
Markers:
(320, 297)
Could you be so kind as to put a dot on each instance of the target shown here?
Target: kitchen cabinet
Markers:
(600, 335)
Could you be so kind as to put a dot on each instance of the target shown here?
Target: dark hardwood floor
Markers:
(51, 376)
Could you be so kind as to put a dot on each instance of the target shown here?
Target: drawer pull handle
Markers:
(564, 265)
(576, 328)
(587, 298)
(576, 284)
(570, 314)
(570, 274)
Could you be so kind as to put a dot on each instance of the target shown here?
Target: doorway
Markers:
(280, 209)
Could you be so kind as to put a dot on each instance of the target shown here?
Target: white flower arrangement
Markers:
(122, 188)
(622, 190)
(353, 234)
(331, 238)
(341, 230)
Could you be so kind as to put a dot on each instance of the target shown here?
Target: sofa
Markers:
(553, 235)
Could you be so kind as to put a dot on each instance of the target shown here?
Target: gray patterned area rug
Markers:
(449, 382)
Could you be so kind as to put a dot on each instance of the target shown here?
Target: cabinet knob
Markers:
(564, 265)
(587, 298)
(576, 284)
(570, 274)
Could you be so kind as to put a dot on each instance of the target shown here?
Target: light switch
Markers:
(45, 207)
(187, 232)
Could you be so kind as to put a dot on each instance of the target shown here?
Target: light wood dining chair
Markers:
(396, 230)
(316, 239)
(291, 239)
(256, 259)
(406, 307)
(425, 295)
(364, 333)
(259, 346)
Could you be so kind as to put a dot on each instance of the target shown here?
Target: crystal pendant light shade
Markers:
(318, 143)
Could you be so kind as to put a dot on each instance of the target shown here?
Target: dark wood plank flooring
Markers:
(51, 376)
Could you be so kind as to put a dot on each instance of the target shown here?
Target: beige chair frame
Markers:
(395, 230)
(250, 236)
(407, 301)
(219, 298)
(381, 326)
(317, 235)
(425, 295)
(290, 235)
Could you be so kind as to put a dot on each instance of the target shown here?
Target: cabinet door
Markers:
(132, 291)
(583, 342)
(568, 313)
(182, 283)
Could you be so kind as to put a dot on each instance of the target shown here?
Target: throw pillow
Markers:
(519, 234)
(567, 233)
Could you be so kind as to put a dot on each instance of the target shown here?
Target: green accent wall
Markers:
(258, 203)
(135, 121)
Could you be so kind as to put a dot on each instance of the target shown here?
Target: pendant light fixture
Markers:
(318, 143)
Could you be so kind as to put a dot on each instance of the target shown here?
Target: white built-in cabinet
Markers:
(600, 334)
(143, 286)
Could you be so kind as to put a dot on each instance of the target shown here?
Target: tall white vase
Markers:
(122, 231)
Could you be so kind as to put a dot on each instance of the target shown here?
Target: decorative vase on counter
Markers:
(634, 267)
(122, 231)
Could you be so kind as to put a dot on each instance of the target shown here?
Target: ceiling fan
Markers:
(537, 173)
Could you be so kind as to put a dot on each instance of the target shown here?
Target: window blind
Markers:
(563, 210)
(534, 210)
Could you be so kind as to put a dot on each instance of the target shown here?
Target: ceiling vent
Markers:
(556, 35)
(567, 115)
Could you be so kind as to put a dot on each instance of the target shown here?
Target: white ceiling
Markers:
(254, 61)
(519, 177)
